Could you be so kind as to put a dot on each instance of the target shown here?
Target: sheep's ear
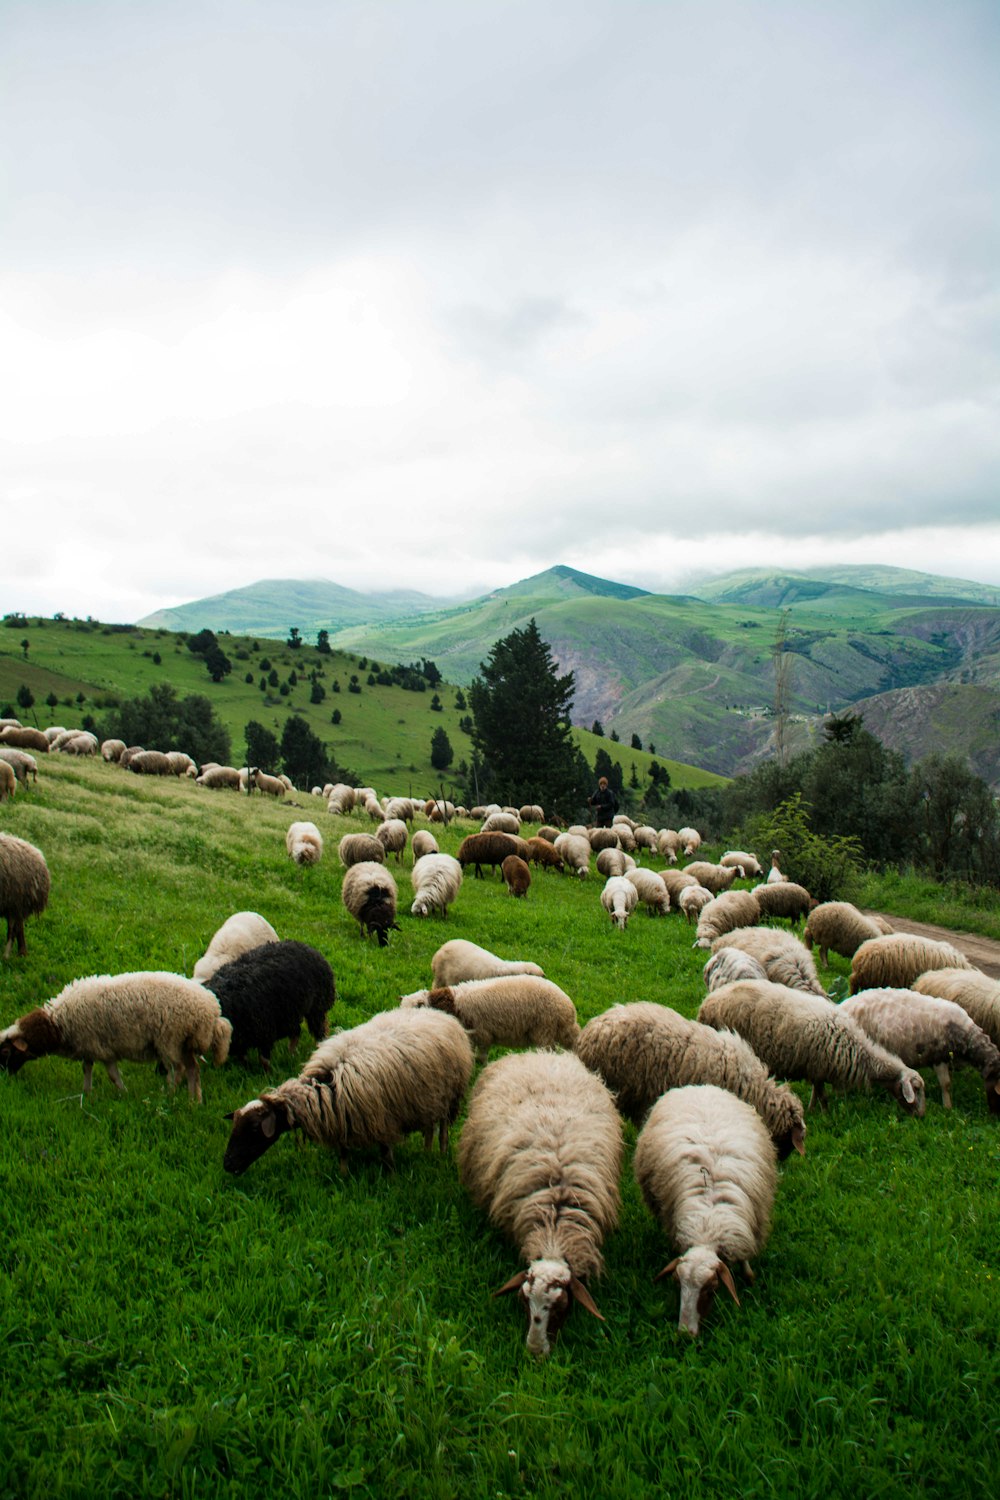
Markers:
(581, 1295)
(907, 1091)
(668, 1270)
(513, 1285)
(799, 1139)
(20, 1045)
(231, 1115)
(268, 1125)
(726, 1277)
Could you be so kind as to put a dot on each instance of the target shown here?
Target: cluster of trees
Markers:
(205, 644)
(163, 721)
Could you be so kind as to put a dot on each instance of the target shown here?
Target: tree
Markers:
(170, 723)
(201, 642)
(605, 766)
(636, 742)
(303, 753)
(614, 736)
(25, 697)
(436, 704)
(52, 700)
(323, 642)
(430, 672)
(460, 700)
(597, 728)
(521, 724)
(295, 641)
(336, 716)
(958, 828)
(317, 693)
(442, 754)
(262, 746)
(218, 663)
(24, 647)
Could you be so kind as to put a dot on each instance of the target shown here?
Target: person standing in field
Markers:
(604, 802)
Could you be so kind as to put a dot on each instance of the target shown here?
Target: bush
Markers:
(829, 867)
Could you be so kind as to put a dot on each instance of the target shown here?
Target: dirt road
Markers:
(981, 951)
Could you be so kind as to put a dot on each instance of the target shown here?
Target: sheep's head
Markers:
(698, 1272)
(256, 1127)
(907, 1089)
(34, 1035)
(548, 1290)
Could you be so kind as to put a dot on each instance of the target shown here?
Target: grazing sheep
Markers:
(501, 822)
(895, 960)
(548, 832)
(130, 750)
(356, 847)
(690, 841)
(715, 878)
(110, 1018)
(544, 853)
(23, 738)
(341, 799)
(442, 811)
(373, 808)
(668, 842)
(111, 750)
(612, 862)
(510, 1010)
(784, 959)
(645, 837)
(8, 781)
(24, 887)
(268, 786)
(744, 864)
(705, 1166)
(304, 843)
(574, 850)
(437, 879)
(840, 926)
(801, 1036)
(516, 874)
(651, 890)
(267, 992)
(491, 849)
(216, 778)
(692, 899)
(459, 960)
(626, 838)
(181, 764)
(642, 1050)
(603, 838)
(401, 1071)
(392, 835)
(540, 1153)
(676, 881)
(724, 914)
(927, 1032)
(727, 965)
(531, 813)
(23, 765)
(619, 899)
(423, 842)
(150, 763)
(239, 933)
(783, 899)
(974, 991)
(369, 894)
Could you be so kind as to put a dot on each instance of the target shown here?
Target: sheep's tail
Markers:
(222, 1035)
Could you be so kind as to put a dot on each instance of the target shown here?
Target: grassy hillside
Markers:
(173, 1331)
(273, 605)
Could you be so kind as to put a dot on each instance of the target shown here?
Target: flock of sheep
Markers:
(541, 1147)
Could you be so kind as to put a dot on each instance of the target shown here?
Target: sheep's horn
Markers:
(513, 1285)
(668, 1270)
(799, 1139)
(584, 1298)
(726, 1277)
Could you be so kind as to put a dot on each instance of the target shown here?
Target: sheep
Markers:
(645, 837)
(81, 743)
(626, 838)
(238, 933)
(619, 899)
(579, 830)
(675, 882)
(110, 1018)
(304, 843)
(401, 1071)
(540, 1153)
(369, 894)
(641, 1050)
(603, 838)
(784, 959)
(373, 808)
(692, 899)
(24, 738)
(898, 958)
(442, 811)
(459, 960)
(574, 851)
(705, 1166)
(392, 836)
(111, 750)
(517, 876)
(725, 913)
(501, 822)
(51, 731)
(783, 899)
(544, 853)
(975, 992)
(24, 766)
(611, 862)
(492, 849)
(268, 786)
(745, 864)
(24, 887)
(130, 750)
(8, 781)
(801, 1036)
(650, 889)
(548, 832)
(727, 965)
(181, 763)
(669, 844)
(423, 842)
(690, 841)
(267, 992)
(150, 763)
(714, 878)
(216, 778)
(531, 813)
(437, 879)
(928, 1032)
(509, 1010)
(840, 926)
(341, 799)
(355, 847)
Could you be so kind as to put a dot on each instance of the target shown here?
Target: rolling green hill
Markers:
(272, 605)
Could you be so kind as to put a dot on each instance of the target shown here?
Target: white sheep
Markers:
(575, 851)
(974, 991)
(784, 959)
(24, 766)
(650, 889)
(437, 879)
(268, 786)
(897, 959)
(840, 926)
(744, 864)
(369, 893)
(727, 965)
(691, 899)
(356, 847)
(619, 899)
(715, 878)
(783, 899)
(238, 934)
(392, 836)
(612, 862)
(928, 1032)
(423, 842)
(501, 822)
(459, 960)
(645, 837)
(8, 781)
(690, 841)
(304, 843)
(724, 913)
(705, 1166)
(217, 778)
(341, 799)
(540, 1153)
(24, 887)
(508, 1010)
(668, 842)
(109, 1018)
(675, 882)
(111, 750)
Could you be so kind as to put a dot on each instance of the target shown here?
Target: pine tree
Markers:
(442, 753)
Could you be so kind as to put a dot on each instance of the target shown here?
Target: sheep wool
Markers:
(354, 848)
(714, 878)
(840, 926)
(508, 1010)
(459, 960)
(611, 862)
(574, 849)
(267, 992)
(437, 880)
(517, 876)
(491, 849)
(705, 1166)
(744, 864)
(24, 766)
(304, 843)
(727, 965)
(369, 893)
(8, 781)
(619, 899)
(783, 899)
(974, 991)
(725, 913)
(927, 1032)
(897, 959)
(650, 890)
(784, 959)
(24, 887)
(544, 853)
(240, 932)
(423, 842)
(692, 899)
(540, 1154)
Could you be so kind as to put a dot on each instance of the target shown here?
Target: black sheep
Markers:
(267, 992)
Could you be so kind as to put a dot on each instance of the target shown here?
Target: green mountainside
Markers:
(271, 605)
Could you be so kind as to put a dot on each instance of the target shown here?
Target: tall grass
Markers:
(172, 1331)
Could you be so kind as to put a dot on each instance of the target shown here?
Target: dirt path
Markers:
(982, 951)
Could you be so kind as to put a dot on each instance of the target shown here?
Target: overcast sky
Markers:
(439, 293)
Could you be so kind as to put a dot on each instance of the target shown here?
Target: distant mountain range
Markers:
(917, 654)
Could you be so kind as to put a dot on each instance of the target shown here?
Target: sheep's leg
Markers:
(748, 1272)
(817, 1099)
(265, 1062)
(944, 1079)
(193, 1076)
(88, 1075)
(388, 1161)
(111, 1068)
(443, 1136)
(428, 1137)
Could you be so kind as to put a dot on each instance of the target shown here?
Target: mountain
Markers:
(835, 588)
(272, 606)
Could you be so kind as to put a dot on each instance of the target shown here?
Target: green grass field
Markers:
(171, 1331)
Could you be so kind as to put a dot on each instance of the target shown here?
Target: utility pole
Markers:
(782, 687)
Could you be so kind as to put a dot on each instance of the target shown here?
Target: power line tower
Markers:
(782, 659)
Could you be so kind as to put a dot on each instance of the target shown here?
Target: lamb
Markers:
(612, 862)
(392, 836)
(437, 879)
(840, 926)
(975, 992)
(693, 899)
(511, 1010)
(650, 889)
(304, 843)
(110, 1018)
(690, 841)
(516, 874)
(544, 853)
(783, 899)
(369, 894)
(715, 878)
(24, 766)
(574, 850)
(268, 786)
(744, 864)
(895, 960)
(403, 1070)
(150, 763)
(492, 849)
(111, 750)
(705, 1167)
(216, 778)
(724, 914)
(355, 847)
(785, 960)
(501, 822)
(423, 842)
(641, 1050)
(8, 781)
(540, 1153)
(459, 960)
(239, 933)
(24, 887)
(727, 965)
(619, 899)
(801, 1036)
(928, 1032)
(267, 992)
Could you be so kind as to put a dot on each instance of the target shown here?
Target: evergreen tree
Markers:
(217, 662)
(323, 642)
(521, 725)
(597, 728)
(303, 753)
(442, 754)
(170, 723)
(636, 742)
(262, 747)
(295, 641)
